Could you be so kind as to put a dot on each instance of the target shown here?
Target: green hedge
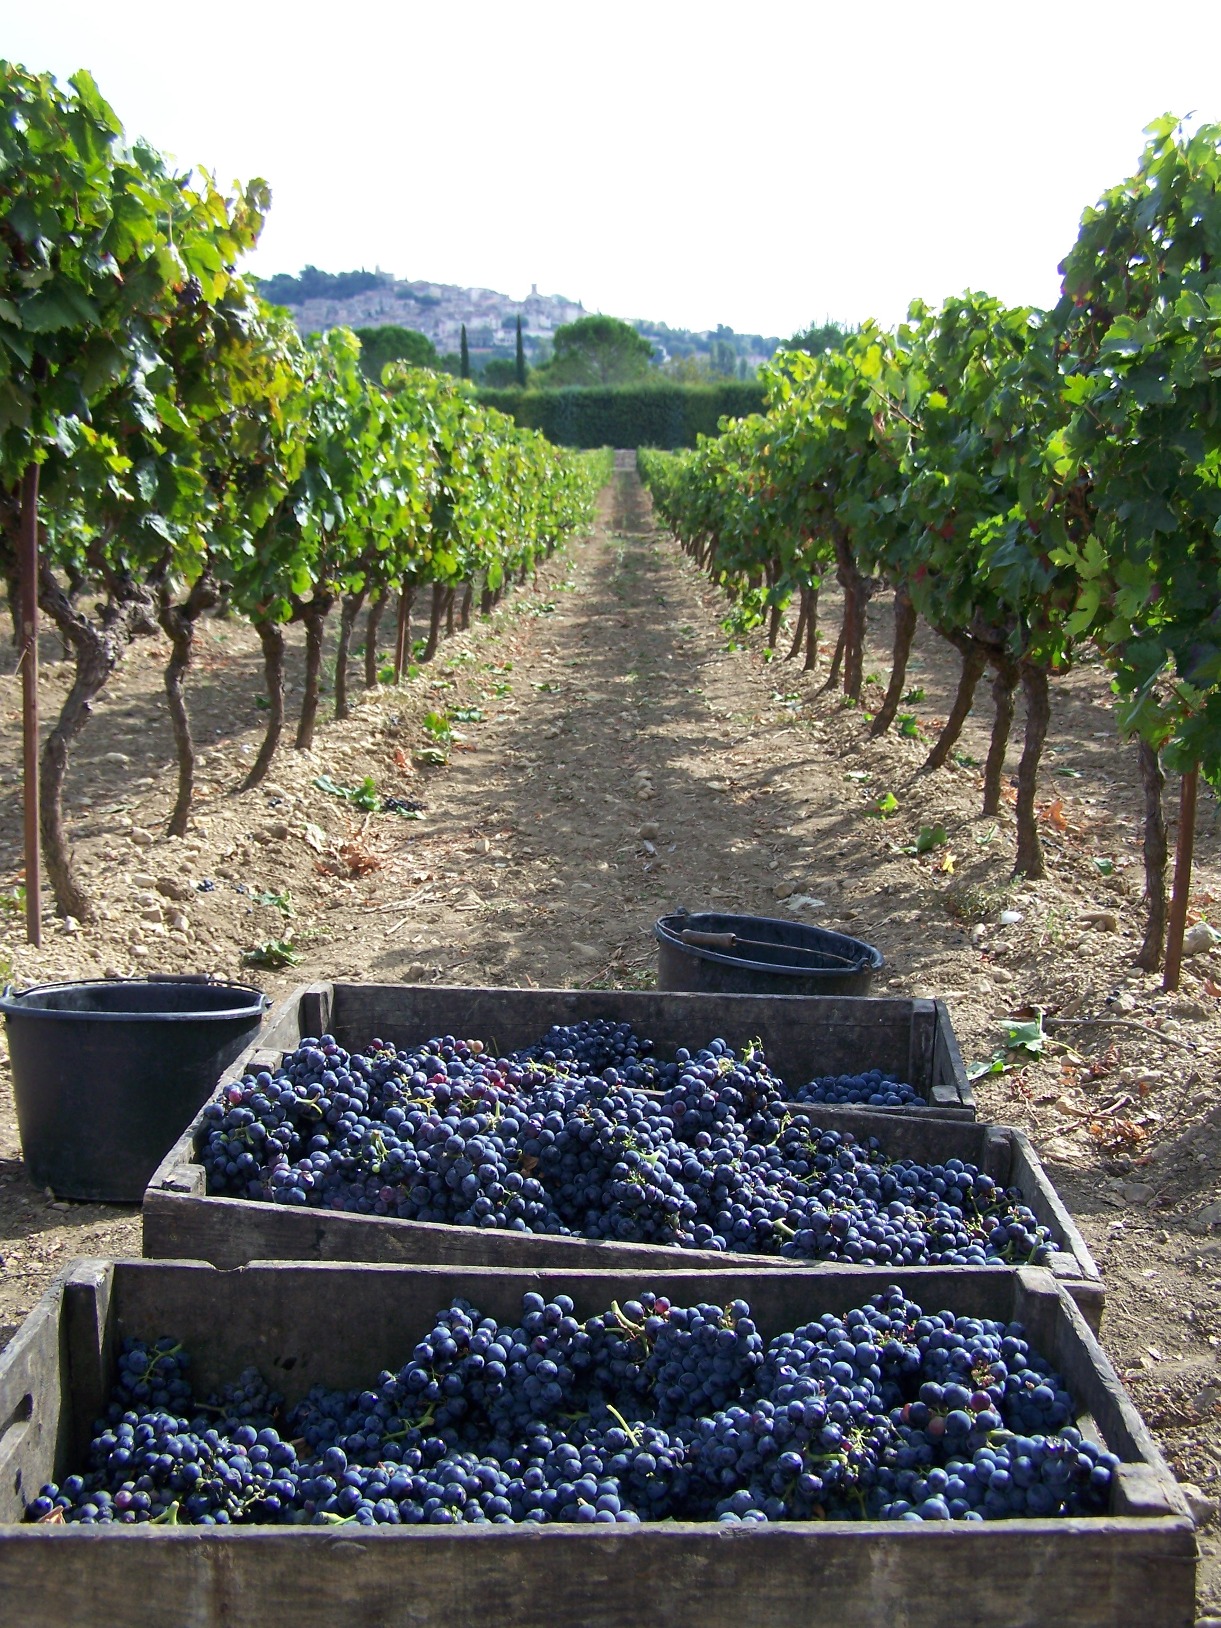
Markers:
(655, 415)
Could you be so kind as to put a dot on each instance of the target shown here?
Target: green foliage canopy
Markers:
(597, 350)
(103, 253)
(500, 373)
(1141, 319)
(392, 343)
(819, 337)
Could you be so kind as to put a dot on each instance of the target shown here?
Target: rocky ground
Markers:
(612, 756)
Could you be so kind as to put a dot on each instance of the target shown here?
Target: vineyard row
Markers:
(1032, 483)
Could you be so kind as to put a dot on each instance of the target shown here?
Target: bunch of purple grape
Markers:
(543, 1141)
(647, 1411)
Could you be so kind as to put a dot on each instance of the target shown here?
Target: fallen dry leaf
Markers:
(1106, 1064)
(1117, 1133)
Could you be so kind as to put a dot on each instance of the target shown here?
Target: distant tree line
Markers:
(378, 346)
(595, 352)
(821, 337)
(312, 284)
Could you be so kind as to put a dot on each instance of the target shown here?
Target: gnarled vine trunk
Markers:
(96, 651)
(811, 661)
(832, 677)
(905, 632)
(775, 611)
(468, 597)
(271, 637)
(1004, 684)
(314, 615)
(434, 623)
(372, 623)
(1030, 861)
(858, 590)
(348, 613)
(974, 660)
(1153, 780)
(803, 612)
(1180, 892)
(402, 636)
(178, 622)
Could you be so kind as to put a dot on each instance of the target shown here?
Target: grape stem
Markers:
(632, 1434)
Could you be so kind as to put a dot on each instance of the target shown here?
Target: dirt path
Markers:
(620, 759)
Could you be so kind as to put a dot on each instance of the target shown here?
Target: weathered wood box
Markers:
(181, 1221)
(802, 1035)
(305, 1324)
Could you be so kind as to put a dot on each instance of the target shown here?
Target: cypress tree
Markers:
(521, 356)
(464, 357)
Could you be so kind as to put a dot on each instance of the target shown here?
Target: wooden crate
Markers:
(803, 1035)
(181, 1221)
(303, 1324)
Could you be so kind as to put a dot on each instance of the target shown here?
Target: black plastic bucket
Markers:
(108, 1072)
(770, 958)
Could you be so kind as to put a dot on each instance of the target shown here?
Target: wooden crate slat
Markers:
(1129, 1574)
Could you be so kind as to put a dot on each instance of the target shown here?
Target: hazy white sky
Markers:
(753, 164)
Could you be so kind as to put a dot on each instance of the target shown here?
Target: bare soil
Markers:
(614, 757)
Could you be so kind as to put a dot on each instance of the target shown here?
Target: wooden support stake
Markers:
(29, 703)
(1183, 848)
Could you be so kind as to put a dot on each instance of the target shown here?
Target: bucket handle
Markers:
(731, 941)
(200, 978)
